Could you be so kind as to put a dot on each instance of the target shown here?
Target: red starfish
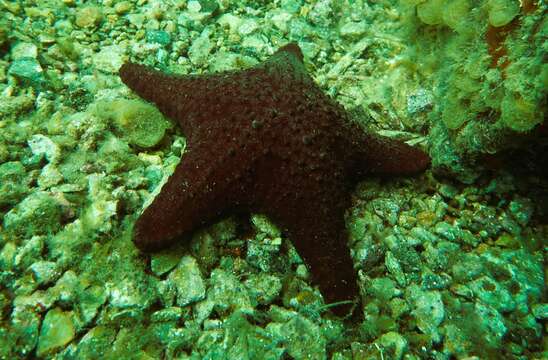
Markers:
(266, 140)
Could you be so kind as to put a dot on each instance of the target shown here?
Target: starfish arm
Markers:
(196, 194)
(175, 96)
(379, 155)
(311, 209)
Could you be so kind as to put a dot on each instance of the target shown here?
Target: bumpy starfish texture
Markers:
(266, 140)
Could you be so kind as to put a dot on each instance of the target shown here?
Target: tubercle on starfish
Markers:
(266, 140)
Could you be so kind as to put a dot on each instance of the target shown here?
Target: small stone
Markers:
(28, 71)
(354, 29)
(419, 102)
(138, 122)
(394, 345)
(137, 20)
(123, 7)
(394, 267)
(24, 50)
(540, 311)
(264, 288)
(109, 59)
(41, 145)
(29, 253)
(493, 294)
(7, 256)
(280, 19)
(263, 224)
(502, 12)
(96, 343)
(88, 17)
(383, 289)
(13, 186)
(200, 48)
(56, 332)
(49, 176)
(428, 310)
(493, 322)
(521, 209)
(90, 300)
(39, 213)
(227, 293)
(173, 313)
(301, 336)
(158, 36)
(44, 272)
(247, 27)
(398, 307)
(188, 281)
(164, 261)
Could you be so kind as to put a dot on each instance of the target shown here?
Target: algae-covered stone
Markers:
(455, 13)
(493, 294)
(57, 331)
(264, 288)
(88, 17)
(37, 214)
(383, 289)
(431, 11)
(164, 261)
(28, 71)
(518, 113)
(109, 59)
(540, 311)
(44, 272)
(395, 345)
(25, 329)
(501, 12)
(188, 281)
(428, 310)
(49, 176)
(96, 343)
(12, 184)
(301, 336)
(200, 48)
(41, 145)
(226, 292)
(123, 7)
(138, 122)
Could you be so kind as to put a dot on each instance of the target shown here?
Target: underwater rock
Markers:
(57, 331)
(188, 281)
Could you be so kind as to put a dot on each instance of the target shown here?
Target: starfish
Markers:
(266, 140)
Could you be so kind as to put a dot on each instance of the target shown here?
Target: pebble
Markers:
(123, 7)
(397, 344)
(44, 272)
(540, 311)
(24, 50)
(164, 261)
(188, 281)
(88, 17)
(27, 70)
(56, 332)
(39, 213)
(109, 59)
(428, 309)
(42, 145)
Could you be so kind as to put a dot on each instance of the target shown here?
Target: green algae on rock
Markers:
(57, 331)
(138, 122)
